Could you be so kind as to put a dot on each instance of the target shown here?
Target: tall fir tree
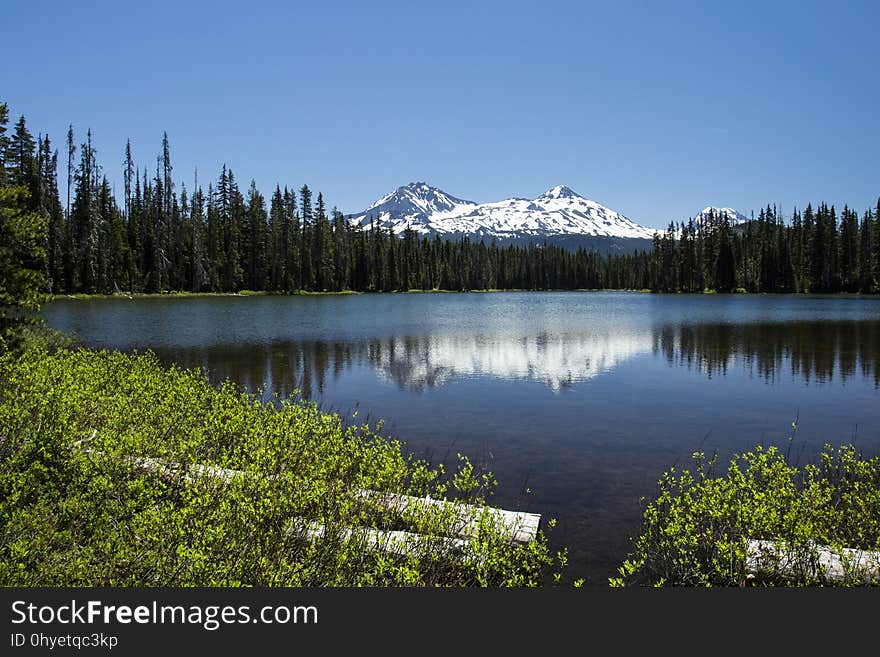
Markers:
(307, 276)
(23, 236)
(725, 267)
(257, 239)
(867, 281)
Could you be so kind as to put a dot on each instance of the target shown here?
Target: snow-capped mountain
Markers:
(558, 212)
(733, 216)
(412, 205)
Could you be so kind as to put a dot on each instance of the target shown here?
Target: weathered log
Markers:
(813, 561)
(515, 526)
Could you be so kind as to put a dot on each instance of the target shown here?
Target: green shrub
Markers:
(78, 507)
(696, 530)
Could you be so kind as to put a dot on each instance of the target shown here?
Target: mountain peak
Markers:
(732, 215)
(559, 212)
(560, 191)
(417, 188)
(411, 205)
(419, 184)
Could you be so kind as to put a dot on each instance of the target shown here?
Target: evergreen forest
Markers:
(160, 236)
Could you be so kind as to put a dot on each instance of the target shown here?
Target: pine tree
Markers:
(150, 240)
(85, 220)
(341, 252)
(391, 282)
(23, 236)
(291, 244)
(214, 240)
(233, 241)
(322, 248)
(796, 243)
(725, 266)
(179, 236)
(22, 264)
(135, 243)
(307, 277)
(867, 270)
(277, 256)
(832, 266)
(70, 229)
(849, 250)
(167, 184)
(875, 247)
(257, 239)
(785, 267)
(20, 162)
(818, 250)
(182, 240)
(199, 257)
(51, 209)
(4, 141)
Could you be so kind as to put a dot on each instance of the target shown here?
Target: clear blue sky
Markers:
(655, 109)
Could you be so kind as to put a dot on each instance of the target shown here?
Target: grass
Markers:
(77, 510)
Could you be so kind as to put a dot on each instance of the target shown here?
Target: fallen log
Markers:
(517, 527)
(812, 561)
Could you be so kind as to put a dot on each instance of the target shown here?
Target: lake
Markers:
(576, 401)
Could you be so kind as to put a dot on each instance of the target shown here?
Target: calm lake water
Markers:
(576, 401)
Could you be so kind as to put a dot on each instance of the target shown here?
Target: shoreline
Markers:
(304, 293)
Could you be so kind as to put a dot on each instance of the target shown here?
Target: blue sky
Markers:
(655, 109)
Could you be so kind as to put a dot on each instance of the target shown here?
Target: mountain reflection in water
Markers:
(812, 352)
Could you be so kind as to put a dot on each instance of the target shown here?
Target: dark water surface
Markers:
(577, 402)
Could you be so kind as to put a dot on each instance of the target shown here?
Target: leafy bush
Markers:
(696, 530)
(79, 507)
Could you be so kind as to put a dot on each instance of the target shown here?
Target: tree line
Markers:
(816, 250)
(162, 237)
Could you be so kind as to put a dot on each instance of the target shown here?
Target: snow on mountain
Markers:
(411, 205)
(732, 215)
(557, 212)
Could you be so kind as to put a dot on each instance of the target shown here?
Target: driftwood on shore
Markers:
(812, 561)
(391, 541)
(466, 519)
